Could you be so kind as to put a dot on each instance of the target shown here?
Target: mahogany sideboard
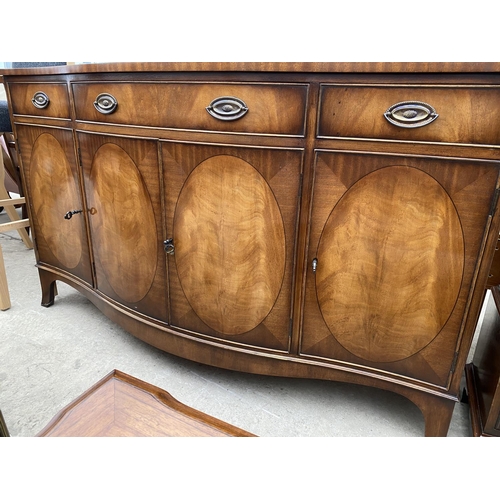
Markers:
(322, 220)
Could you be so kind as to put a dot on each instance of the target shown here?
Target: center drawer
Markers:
(267, 109)
(450, 114)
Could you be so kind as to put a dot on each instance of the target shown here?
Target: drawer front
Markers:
(49, 100)
(464, 114)
(277, 109)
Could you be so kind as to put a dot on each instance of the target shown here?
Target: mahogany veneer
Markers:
(123, 406)
(321, 220)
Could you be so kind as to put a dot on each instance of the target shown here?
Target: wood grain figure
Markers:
(123, 223)
(123, 406)
(391, 229)
(318, 220)
(229, 235)
(55, 196)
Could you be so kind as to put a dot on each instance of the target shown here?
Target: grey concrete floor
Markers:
(50, 356)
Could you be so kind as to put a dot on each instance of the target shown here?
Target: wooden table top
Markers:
(278, 67)
(121, 405)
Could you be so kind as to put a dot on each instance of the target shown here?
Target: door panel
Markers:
(235, 247)
(53, 187)
(391, 227)
(123, 195)
(232, 213)
(396, 241)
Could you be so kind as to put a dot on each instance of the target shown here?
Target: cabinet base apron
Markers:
(437, 408)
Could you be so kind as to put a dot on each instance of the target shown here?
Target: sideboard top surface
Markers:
(285, 67)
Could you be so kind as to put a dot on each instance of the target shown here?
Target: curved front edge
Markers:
(437, 408)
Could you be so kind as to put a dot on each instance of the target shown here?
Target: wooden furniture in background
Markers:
(10, 176)
(123, 406)
(319, 220)
(483, 373)
(16, 223)
(10, 161)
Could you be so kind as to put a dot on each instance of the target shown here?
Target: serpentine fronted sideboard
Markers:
(323, 220)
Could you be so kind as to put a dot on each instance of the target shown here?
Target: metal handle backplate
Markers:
(411, 114)
(105, 103)
(40, 100)
(227, 108)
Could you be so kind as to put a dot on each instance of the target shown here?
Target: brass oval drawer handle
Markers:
(227, 108)
(411, 114)
(40, 100)
(105, 103)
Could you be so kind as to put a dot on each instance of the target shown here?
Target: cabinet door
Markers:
(394, 245)
(232, 214)
(53, 189)
(122, 184)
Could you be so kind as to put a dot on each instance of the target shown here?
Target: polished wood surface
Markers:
(272, 109)
(294, 67)
(229, 236)
(390, 229)
(122, 182)
(403, 223)
(358, 111)
(216, 184)
(58, 106)
(376, 218)
(55, 195)
(123, 223)
(124, 406)
(54, 185)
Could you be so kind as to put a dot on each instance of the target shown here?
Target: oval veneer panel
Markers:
(390, 264)
(53, 194)
(123, 225)
(229, 244)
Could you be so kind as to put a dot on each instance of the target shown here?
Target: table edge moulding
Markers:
(120, 405)
(334, 221)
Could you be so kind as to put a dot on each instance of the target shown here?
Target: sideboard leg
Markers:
(49, 289)
(437, 414)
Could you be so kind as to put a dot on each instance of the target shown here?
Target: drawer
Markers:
(464, 114)
(274, 109)
(40, 99)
